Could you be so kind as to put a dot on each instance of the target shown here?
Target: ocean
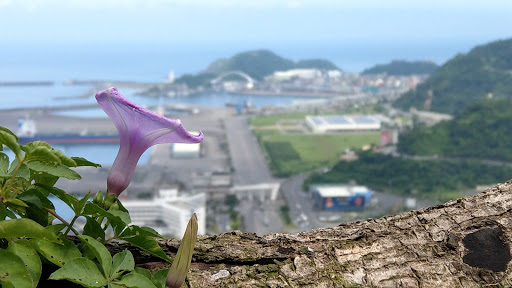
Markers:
(152, 62)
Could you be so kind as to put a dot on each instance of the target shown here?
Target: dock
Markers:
(27, 83)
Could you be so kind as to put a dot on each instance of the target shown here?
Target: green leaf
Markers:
(93, 228)
(3, 211)
(100, 252)
(56, 253)
(29, 257)
(15, 201)
(149, 231)
(13, 271)
(40, 215)
(125, 219)
(121, 207)
(35, 144)
(146, 243)
(44, 178)
(24, 227)
(159, 278)
(37, 198)
(144, 272)
(64, 159)
(34, 152)
(69, 199)
(42, 151)
(10, 214)
(181, 263)
(123, 262)
(135, 280)
(23, 171)
(81, 271)
(84, 162)
(54, 169)
(10, 140)
(56, 228)
(118, 219)
(4, 163)
(37, 203)
(83, 201)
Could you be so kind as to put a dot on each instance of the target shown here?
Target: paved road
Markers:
(246, 155)
(303, 215)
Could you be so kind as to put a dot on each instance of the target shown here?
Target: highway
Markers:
(246, 155)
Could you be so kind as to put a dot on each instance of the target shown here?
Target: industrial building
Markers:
(168, 212)
(333, 124)
(341, 197)
(185, 150)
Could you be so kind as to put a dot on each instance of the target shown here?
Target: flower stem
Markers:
(70, 226)
(14, 173)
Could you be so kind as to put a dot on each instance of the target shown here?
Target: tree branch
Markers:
(462, 243)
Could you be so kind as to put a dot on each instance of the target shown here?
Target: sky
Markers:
(253, 21)
(354, 34)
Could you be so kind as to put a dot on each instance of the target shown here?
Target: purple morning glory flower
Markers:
(138, 130)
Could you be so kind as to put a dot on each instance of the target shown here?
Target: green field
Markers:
(293, 154)
(267, 120)
(272, 119)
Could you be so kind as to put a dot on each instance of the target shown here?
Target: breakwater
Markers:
(27, 83)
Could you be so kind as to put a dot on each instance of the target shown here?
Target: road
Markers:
(246, 155)
(306, 218)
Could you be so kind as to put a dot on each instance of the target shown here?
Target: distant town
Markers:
(336, 156)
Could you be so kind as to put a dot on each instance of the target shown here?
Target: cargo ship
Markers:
(27, 132)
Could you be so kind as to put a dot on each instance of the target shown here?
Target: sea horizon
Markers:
(152, 63)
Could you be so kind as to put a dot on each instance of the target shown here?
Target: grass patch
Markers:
(314, 151)
(267, 120)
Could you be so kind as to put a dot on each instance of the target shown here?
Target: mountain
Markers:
(261, 63)
(483, 72)
(316, 64)
(482, 131)
(403, 68)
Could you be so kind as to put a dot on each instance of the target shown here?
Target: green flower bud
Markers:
(181, 264)
(114, 206)
(109, 200)
(98, 198)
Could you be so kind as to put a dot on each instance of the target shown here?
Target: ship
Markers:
(27, 132)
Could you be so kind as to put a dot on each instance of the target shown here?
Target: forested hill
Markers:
(403, 68)
(261, 63)
(482, 131)
(465, 79)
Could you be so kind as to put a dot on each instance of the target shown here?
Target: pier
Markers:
(27, 83)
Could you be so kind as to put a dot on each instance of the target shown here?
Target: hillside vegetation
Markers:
(483, 131)
(430, 179)
(403, 68)
(465, 79)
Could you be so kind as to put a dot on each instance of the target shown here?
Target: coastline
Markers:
(306, 94)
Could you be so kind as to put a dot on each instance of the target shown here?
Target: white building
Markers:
(168, 213)
(330, 124)
(296, 73)
(186, 150)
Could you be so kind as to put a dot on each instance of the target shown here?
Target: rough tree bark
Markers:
(463, 243)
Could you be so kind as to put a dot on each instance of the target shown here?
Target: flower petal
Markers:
(138, 130)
